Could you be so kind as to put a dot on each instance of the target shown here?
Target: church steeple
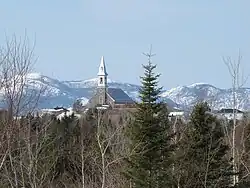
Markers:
(102, 68)
(102, 74)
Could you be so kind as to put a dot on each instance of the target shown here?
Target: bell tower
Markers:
(102, 82)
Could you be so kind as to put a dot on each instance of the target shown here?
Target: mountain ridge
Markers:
(65, 93)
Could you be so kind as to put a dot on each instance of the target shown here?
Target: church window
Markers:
(101, 100)
(101, 80)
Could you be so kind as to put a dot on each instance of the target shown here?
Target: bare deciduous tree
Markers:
(238, 81)
(113, 146)
(17, 59)
(20, 148)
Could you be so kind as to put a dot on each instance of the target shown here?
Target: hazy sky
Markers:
(188, 37)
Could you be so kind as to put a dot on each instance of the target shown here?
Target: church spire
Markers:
(102, 74)
(102, 68)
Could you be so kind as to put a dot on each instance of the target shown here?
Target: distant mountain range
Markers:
(65, 93)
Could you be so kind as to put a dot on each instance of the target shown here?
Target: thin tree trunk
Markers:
(235, 73)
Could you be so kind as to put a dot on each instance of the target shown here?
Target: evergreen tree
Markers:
(244, 176)
(203, 152)
(149, 134)
(64, 138)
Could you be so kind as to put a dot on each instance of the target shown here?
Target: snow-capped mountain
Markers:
(186, 96)
(65, 93)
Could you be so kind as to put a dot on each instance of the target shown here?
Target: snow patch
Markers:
(67, 114)
(198, 84)
(95, 81)
(171, 91)
(84, 101)
(34, 75)
(51, 110)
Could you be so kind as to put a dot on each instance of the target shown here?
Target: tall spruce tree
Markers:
(203, 152)
(149, 134)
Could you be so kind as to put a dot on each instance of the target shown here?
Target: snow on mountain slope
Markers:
(90, 84)
(187, 96)
(52, 87)
(65, 93)
(85, 83)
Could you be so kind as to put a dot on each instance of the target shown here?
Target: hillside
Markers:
(65, 93)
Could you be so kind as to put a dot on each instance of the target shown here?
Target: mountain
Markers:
(186, 96)
(65, 93)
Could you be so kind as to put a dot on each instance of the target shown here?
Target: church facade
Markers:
(110, 97)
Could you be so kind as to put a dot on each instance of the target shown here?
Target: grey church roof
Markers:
(119, 96)
(229, 110)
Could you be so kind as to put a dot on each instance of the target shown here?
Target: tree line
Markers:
(143, 148)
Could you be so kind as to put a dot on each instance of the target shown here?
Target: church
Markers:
(109, 97)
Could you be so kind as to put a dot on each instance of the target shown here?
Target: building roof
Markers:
(119, 96)
(229, 110)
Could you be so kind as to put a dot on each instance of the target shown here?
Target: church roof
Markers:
(229, 110)
(102, 68)
(119, 96)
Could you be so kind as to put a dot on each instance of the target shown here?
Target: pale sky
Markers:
(188, 37)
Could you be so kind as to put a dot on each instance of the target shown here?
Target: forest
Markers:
(140, 149)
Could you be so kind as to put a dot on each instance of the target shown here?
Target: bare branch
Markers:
(238, 81)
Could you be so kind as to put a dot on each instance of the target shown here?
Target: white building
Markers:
(176, 115)
(228, 113)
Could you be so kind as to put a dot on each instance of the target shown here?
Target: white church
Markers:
(104, 95)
